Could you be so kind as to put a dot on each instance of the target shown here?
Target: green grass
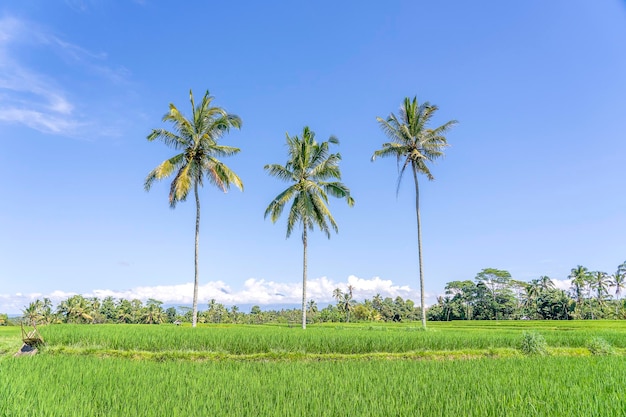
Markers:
(10, 340)
(89, 386)
(452, 369)
(345, 339)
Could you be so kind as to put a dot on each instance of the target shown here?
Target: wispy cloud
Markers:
(254, 291)
(36, 97)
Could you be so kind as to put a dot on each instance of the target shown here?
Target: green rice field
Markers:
(452, 369)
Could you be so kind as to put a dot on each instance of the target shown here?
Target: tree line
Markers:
(495, 295)
(492, 295)
(78, 309)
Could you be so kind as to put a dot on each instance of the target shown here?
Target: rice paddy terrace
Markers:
(456, 368)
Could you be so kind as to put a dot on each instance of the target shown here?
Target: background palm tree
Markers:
(308, 168)
(346, 304)
(579, 277)
(600, 282)
(197, 139)
(618, 280)
(337, 294)
(414, 145)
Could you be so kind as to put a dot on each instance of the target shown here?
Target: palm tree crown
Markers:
(414, 145)
(309, 168)
(412, 142)
(198, 140)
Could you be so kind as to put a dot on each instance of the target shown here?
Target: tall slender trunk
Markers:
(194, 319)
(304, 242)
(419, 244)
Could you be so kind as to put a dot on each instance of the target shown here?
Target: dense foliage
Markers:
(495, 295)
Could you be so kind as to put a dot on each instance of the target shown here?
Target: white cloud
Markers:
(35, 98)
(562, 284)
(254, 291)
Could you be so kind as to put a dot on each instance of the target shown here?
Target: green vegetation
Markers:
(599, 346)
(309, 167)
(416, 145)
(329, 339)
(80, 386)
(533, 343)
(495, 295)
(351, 369)
(10, 340)
(198, 139)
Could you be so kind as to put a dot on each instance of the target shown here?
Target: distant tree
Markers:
(497, 282)
(234, 313)
(600, 282)
(33, 314)
(171, 314)
(216, 312)
(337, 294)
(377, 302)
(414, 145)
(198, 139)
(153, 312)
(579, 277)
(462, 292)
(532, 292)
(346, 304)
(618, 280)
(76, 309)
(108, 309)
(545, 283)
(311, 308)
(308, 169)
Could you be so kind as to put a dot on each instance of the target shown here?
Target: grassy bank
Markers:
(90, 386)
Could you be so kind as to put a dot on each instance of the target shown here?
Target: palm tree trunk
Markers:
(194, 319)
(304, 242)
(419, 245)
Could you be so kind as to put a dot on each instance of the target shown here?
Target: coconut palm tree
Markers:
(309, 167)
(346, 304)
(197, 139)
(337, 294)
(33, 313)
(618, 280)
(546, 283)
(532, 291)
(600, 281)
(414, 145)
(579, 277)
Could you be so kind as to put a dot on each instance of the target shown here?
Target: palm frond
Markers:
(198, 137)
(412, 141)
(279, 171)
(339, 190)
(163, 170)
(179, 189)
(309, 164)
(170, 139)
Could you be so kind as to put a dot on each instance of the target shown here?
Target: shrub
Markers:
(533, 343)
(599, 346)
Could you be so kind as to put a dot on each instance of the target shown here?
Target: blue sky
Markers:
(533, 181)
